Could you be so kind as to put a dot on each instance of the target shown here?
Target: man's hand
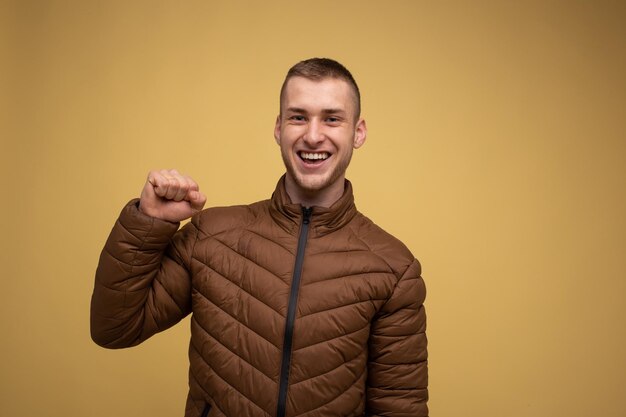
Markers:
(171, 196)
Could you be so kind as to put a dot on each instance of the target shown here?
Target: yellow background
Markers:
(496, 152)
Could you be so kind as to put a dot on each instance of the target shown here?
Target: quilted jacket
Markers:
(295, 312)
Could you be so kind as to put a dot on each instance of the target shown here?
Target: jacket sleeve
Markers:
(397, 382)
(142, 283)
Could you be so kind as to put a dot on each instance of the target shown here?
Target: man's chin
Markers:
(311, 185)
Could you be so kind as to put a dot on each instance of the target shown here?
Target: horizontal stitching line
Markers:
(398, 363)
(234, 353)
(226, 382)
(342, 306)
(270, 240)
(414, 388)
(108, 252)
(401, 336)
(237, 286)
(330, 370)
(338, 395)
(234, 318)
(130, 265)
(325, 280)
(401, 389)
(242, 256)
(124, 282)
(356, 235)
(348, 251)
(333, 338)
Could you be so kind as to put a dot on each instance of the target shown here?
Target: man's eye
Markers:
(297, 118)
(332, 119)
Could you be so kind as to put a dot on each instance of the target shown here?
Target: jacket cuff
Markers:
(145, 227)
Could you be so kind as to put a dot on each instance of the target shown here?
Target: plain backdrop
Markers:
(496, 152)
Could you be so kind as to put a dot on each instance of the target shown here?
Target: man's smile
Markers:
(313, 157)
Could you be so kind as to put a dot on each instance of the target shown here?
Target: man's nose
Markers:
(314, 134)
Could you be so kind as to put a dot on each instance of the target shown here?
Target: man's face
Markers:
(316, 131)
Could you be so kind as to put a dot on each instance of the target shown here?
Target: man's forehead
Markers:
(334, 93)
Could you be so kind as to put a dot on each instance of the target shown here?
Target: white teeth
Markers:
(313, 156)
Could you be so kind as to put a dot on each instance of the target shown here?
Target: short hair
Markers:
(317, 69)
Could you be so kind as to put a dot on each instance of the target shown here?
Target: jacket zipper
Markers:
(205, 412)
(291, 314)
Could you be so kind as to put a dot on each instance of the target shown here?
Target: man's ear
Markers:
(360, 134)
(277, 130)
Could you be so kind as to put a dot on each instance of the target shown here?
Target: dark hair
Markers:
(317, 69)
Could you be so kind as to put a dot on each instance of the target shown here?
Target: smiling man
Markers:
(318, 126)
(300, 305)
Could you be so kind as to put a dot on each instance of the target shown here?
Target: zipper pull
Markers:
(306, 213)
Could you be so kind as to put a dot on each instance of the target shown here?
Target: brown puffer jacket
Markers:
(293, 313)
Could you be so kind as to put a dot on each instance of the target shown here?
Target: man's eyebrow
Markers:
(296, 110)
(333, 111)
(325, 111)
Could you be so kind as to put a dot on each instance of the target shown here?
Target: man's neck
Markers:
(319, 198)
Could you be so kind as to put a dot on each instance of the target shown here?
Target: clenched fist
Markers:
(169, 195)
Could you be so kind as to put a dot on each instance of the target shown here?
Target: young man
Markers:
(301, 306)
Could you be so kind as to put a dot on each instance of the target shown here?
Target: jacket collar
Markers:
(323, 220)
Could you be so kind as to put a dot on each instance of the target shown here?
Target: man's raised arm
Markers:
(142, 282)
